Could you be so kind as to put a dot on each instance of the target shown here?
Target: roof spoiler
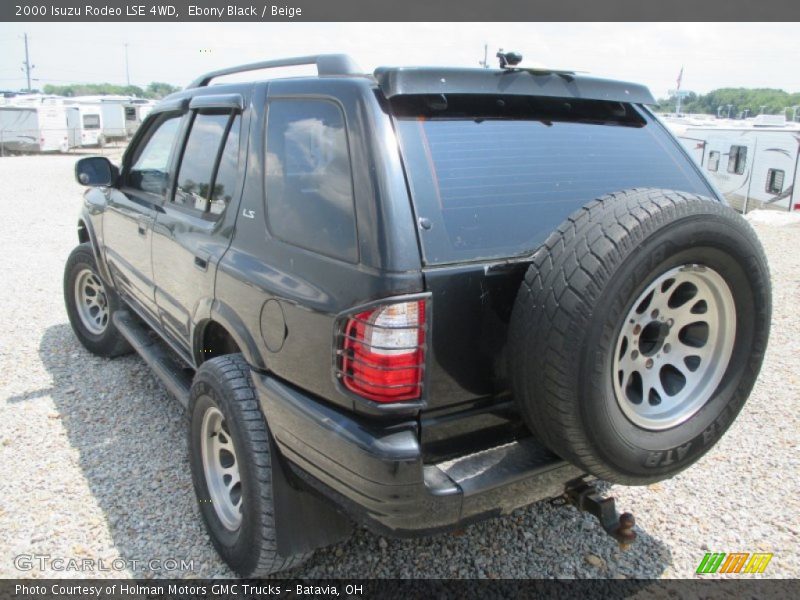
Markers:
(327, 64)
(518, 82)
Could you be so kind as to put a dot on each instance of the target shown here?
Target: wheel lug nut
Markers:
(637, 329)
(635, 354)
(670, 322)
(649, 363)
(654, 314)
(667, 348)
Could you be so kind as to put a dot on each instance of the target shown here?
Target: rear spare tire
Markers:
(639, 331)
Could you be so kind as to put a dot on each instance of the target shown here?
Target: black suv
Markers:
(418, 298)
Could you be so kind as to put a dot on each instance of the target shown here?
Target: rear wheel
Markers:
(232, 463)
(639, 332)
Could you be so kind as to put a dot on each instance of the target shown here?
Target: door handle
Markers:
(200, 263)
(143, 224)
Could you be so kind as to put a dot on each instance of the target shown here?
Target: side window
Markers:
(309, 185)
(737, 159)
(149, 171)
(775, 179)
(196, 187)
(713, 160)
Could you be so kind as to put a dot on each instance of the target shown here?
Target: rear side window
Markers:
(309, 187)
(197, 187)
(492, 186)
(737, 159)
(713, 160)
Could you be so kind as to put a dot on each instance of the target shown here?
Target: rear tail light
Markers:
(382, 352)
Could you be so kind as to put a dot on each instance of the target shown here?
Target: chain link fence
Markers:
(15, 142)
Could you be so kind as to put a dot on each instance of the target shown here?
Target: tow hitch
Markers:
(584, 496)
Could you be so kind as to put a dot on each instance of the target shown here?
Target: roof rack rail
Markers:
(327, 64)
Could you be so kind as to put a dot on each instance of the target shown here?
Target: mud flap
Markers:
(303, 520)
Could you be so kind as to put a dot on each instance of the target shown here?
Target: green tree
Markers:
(773, 101)
(158, 89)
(154, 90)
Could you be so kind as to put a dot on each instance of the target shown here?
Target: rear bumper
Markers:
(375, 472)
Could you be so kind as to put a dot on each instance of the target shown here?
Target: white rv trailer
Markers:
(754, 163)
(118, 115)
(50, 127)
(90, 123)
(113, 118)
(135, 113)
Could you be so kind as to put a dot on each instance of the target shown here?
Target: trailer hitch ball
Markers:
(584, 496)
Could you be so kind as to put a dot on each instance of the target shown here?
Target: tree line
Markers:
(742, 101)
(155, 90)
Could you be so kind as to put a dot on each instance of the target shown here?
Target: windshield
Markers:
(493, 186)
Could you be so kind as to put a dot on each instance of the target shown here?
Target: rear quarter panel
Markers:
(287, 299)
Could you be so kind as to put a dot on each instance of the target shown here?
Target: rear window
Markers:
(91, 121)
(497, 182)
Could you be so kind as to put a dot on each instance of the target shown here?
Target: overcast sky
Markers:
(713, 54)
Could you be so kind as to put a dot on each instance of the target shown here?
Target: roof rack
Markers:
(327, 64)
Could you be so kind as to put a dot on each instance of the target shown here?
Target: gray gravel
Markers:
(95, 465)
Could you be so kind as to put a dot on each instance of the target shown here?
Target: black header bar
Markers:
(66, 11)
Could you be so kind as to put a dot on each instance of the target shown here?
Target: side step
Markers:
(167, 367)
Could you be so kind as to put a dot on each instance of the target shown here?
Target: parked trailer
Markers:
(36, 128)
(113, 119)
(90, 123)
(753, 163)
(135, 113)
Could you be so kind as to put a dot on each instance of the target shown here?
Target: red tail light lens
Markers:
(383, 352)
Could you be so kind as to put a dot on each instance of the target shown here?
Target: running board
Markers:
(167, 367)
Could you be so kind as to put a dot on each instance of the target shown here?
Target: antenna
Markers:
(484, 63)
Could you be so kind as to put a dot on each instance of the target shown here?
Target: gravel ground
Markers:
(95, 464)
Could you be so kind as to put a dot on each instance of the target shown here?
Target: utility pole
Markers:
(127, 71)
(27, 66)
